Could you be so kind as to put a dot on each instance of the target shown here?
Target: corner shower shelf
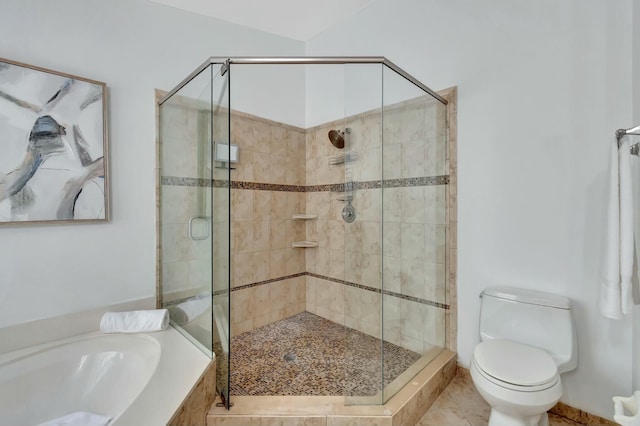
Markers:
(343, 158)
(347, 197)
(304, 244)
(304, 216)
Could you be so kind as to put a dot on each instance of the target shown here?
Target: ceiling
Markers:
(296, 19)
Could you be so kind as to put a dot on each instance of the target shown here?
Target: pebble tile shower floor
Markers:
(308, 355)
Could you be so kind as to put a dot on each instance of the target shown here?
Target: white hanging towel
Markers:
(615, 294)
(626, 227)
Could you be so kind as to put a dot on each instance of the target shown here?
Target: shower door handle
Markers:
(197, 231)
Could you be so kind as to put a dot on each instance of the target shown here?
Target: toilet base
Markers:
(498, 418)
(514, 408)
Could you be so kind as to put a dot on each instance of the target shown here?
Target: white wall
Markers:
(134, 46)
(337, 91)
(636, 171)
(542, 87)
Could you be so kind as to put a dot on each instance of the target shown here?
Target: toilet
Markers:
(528, 339)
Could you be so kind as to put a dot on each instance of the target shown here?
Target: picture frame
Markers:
(54, 147)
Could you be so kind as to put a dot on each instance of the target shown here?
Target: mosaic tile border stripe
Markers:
(339, 281)
(377, 184)
(385, 292)
(188, 181)
(416, 181)
(258, 186)
(219, 292)
(258, 283)
(272, 280)
(334, 187)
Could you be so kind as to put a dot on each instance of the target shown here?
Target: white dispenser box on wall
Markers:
(226, 153)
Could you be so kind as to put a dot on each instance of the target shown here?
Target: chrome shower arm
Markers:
(632, 131)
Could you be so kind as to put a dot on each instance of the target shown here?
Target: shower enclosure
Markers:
(305, 199)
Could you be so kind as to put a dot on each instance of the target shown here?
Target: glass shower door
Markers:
(361, 219)
(194, 215)
(185, 210)
(413, 229)
(221, 226)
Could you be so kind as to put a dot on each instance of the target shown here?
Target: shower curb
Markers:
(403, 409)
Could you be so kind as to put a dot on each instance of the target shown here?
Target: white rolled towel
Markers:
(135, 321)
(190, 309)
(80, 418)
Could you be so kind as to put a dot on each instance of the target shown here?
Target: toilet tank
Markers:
(531, 317)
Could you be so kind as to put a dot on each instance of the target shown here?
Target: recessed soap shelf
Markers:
(304, 244)
(304, 216)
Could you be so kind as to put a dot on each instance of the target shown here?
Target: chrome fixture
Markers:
(337, 139)
(348, 212)
(303, 60)
(634, 131)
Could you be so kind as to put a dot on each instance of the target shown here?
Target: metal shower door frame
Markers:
(275, 60)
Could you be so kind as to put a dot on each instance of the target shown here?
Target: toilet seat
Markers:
(515, 366)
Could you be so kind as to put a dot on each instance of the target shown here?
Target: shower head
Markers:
(336, 138)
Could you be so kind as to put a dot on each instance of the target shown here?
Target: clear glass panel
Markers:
(413, 228)
(377, 282)
(221, 227)
(362, 245)
(185, 209)
(194, 215)
(268, 282)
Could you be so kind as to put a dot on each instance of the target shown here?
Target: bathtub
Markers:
(138, 379)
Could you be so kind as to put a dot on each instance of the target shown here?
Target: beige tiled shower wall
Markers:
(264, 304)
(349, 252)
(185, 268)
(262, 227)
(415, 226)
(186, 263)
(414, 230)
(451, 95)
(418, 227)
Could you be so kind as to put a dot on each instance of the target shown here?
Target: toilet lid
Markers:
(515, 363)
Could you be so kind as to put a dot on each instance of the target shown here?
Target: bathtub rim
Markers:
(23, 335)
(24, 353)
(12, 359)
(179, 368)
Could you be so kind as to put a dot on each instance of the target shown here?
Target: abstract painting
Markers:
(53, 146)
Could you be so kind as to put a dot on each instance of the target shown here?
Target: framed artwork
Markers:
(53, 146)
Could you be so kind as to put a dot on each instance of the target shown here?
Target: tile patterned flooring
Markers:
(308, 355)
(461, 405)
